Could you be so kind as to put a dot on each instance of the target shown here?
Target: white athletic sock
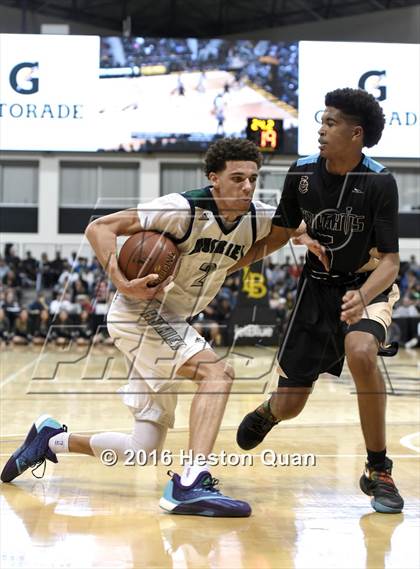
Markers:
(59, 443)
(191, 472)
(146, 435)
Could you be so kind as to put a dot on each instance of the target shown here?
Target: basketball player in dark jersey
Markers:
(346, 292)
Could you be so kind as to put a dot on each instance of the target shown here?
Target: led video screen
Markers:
(113, 94)
(181, 94)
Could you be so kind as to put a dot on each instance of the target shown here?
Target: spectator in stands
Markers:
(11, 279)
(101, 295)
(275, 274)
(415, 294)
(407, 281)
(415, 341)
(38, 304)
(29, 266)
(62, 286)
(4, 268)
(63, 329)
(56, 267)
(11, 257)
(4, 327)
(288, 286)
(81, 266)
(206, 323)
(45, 278)
(67, 276)
(61, 303)
(287, 263)
(71, 260)
(278, 304)
(290, 300)
(78, 288)
(232, 282)
(83, 303)
(405, 309)
(11, 306)
(22, 333)
(282, 315)
(296, 270)
(226, 293)
(41, 327)
(95, 266)
(413, 266)
(84, 328)
(101, 291)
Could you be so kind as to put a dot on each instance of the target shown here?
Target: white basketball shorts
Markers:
(156, 343)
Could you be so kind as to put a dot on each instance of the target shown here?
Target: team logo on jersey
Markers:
(208, 245)
(304, 184)
(334, 228)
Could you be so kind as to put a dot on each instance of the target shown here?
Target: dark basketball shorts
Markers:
(313, 342)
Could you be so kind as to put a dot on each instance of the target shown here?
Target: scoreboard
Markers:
(267, 134)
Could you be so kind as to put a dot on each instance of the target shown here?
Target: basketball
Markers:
(148, 252)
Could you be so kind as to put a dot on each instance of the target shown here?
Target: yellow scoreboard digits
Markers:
(266, 133)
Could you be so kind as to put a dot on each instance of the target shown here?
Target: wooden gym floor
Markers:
(83, 514)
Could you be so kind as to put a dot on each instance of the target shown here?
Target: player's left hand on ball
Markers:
(161, 286)
(353, 307)
(315, 247)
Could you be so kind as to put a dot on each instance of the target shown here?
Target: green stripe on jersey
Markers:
(201, 198)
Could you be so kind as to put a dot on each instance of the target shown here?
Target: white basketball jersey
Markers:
(208, 247)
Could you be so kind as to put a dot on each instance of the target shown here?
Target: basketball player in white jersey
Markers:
(213, 228)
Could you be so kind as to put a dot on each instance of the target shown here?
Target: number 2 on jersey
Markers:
(207, 268)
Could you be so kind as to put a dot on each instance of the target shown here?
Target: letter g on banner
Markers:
(30, 84)
(381, 88)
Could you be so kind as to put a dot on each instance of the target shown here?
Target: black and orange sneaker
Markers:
(255, 426)
(379, 484)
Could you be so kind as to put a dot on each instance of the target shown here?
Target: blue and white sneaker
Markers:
(201, 498)
(34, 450)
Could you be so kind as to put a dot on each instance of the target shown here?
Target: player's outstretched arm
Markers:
(355, 301)
(102, 234)
(302, 238)
(277, 238)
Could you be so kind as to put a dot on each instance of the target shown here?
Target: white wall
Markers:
(48, 239)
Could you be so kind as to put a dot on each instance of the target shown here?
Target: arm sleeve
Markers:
(169, 214)
(264, 216)
(386, 215)
(288, 213)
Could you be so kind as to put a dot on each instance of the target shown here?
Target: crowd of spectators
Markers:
(58, 300)
(55, 300)
(282, 279)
